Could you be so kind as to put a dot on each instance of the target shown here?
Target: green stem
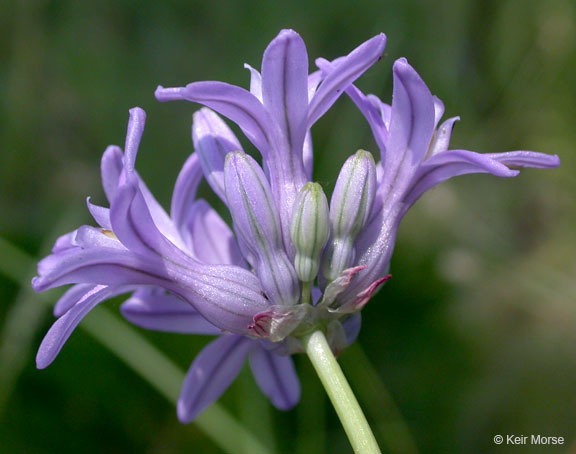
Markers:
(345, 403)
(306, 288)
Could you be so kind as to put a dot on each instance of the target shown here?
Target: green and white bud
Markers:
(309, 230)
(350, 209)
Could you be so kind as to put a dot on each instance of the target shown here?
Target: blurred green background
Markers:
(475, 334)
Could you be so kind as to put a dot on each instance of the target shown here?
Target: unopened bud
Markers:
(350, 209)
(257, 225)
(309, 230)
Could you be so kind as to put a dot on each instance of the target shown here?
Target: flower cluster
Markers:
(291, 262)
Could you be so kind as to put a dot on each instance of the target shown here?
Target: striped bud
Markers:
(350, 209)
(257, 225)
(309, 230)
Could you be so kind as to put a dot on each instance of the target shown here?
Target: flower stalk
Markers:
(355, 424)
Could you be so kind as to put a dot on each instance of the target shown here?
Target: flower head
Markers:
(290, 263)
(414, 157)
(186, 271)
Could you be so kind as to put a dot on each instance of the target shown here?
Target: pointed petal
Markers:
(71, 297)
(227, 296)
(185, 190)
(213, 140)
(411, 127)
(526, 159)
(155, 309)
(444, 166)
(438, 110)
(368, 108)
(441, 140)
(233, 102)
(314, 80)
(134, 226)
(345, 73)
(100, 214)
(111, 168)
(452, 163)
(65, 325)
(212, 240)
(255, 82)
(285, 86)
(211, 373)
(276, 377)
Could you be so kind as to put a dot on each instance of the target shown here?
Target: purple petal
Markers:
(256, 222)
(71, 297)
(255, 82)
(308, 156)
(411, 127)
(452, 163)
(228, 296)
(374, 248)
(345, 73)
(526, 159)
(185, 190)
(285, 87)
(155, 309)
(100, 214)
(314, 80)
(233, 102)
(133, 224)
(212, 240)
(438, 110)
(65, 325)
(441, 140)
(90, 237)
(368, 108)
(276, 377)
(64, 242)
(213, 140)
(444, 166)
(211, 373)
(111, 168)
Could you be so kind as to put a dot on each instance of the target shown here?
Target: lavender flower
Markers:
(258, 288)
(414, 157)
(187, 272)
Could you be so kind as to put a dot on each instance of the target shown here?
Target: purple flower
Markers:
(414, 157)
(277, 113)
(187, 272)
(292, 263)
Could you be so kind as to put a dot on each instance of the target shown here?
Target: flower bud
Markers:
(257, 225)
(350, 209)
(309, 230)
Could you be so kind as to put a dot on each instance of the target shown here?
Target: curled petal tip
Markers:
(401, 64)
(37, 284)
(168, 94)
(137, 113)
